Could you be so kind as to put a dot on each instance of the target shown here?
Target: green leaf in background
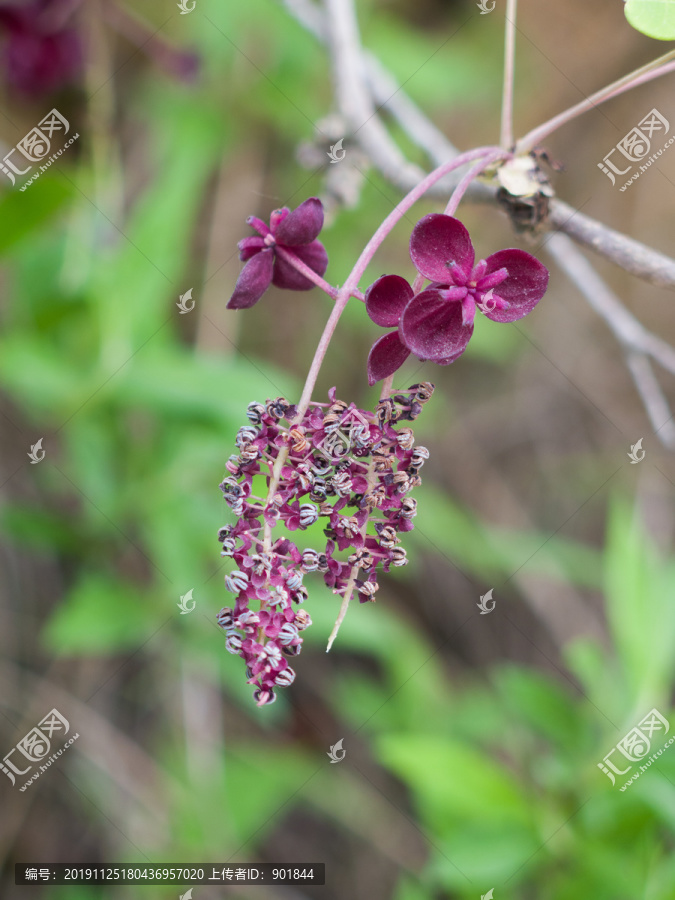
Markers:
(655, 18)
(101, 615)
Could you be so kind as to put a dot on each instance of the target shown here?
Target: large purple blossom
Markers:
(294, 231)
(368, 485)
(437, 323)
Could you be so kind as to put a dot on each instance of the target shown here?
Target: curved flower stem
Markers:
(473, 172)
(652, 70)
(506, 136)
(350, 285)
(310, 274)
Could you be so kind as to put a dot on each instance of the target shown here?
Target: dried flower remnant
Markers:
(363, 497)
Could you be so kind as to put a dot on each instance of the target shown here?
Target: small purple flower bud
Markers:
(224, 532)
(405, 438)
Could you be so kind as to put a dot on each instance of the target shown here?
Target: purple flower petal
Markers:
(438, 244)
(386, 355)
(432, 328)
(253, 281)
(249, 246)
(523, 289)
(277, 216)
(302, 226)
(313, 255)
(386, 299)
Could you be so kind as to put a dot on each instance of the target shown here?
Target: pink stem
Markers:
(532, 138)
(305, 270)
(473, 172)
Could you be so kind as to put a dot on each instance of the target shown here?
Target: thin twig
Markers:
(506, 139)
(638, 343)
(623, 251)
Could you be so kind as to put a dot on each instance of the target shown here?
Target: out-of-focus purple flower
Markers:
(41, 48)
(437, 323)
(295, 231)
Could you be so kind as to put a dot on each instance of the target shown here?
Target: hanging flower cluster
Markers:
(348, 466)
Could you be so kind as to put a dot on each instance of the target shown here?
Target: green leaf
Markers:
(101, 615)
(655, 18)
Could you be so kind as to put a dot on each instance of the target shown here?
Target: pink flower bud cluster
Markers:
(348, 466)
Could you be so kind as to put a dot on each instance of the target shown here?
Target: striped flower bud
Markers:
(287, 633)
(398, 557)
(225, 618)
(418, 457)
(285, 677)
(233, 643)
(236, 581)
(245, 435)
(302, 620)
(294, 580)
(308, 514)
(300, 594)
(248, 619)
(408, 507)
(229, 545)
(255, 411)
(264, 698)
(405, 438)
(388, 537)
(310, 560)
(361, 559)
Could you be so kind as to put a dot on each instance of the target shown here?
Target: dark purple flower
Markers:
(42, 50)
(294, 231)
(438, 322)
(386, 299)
